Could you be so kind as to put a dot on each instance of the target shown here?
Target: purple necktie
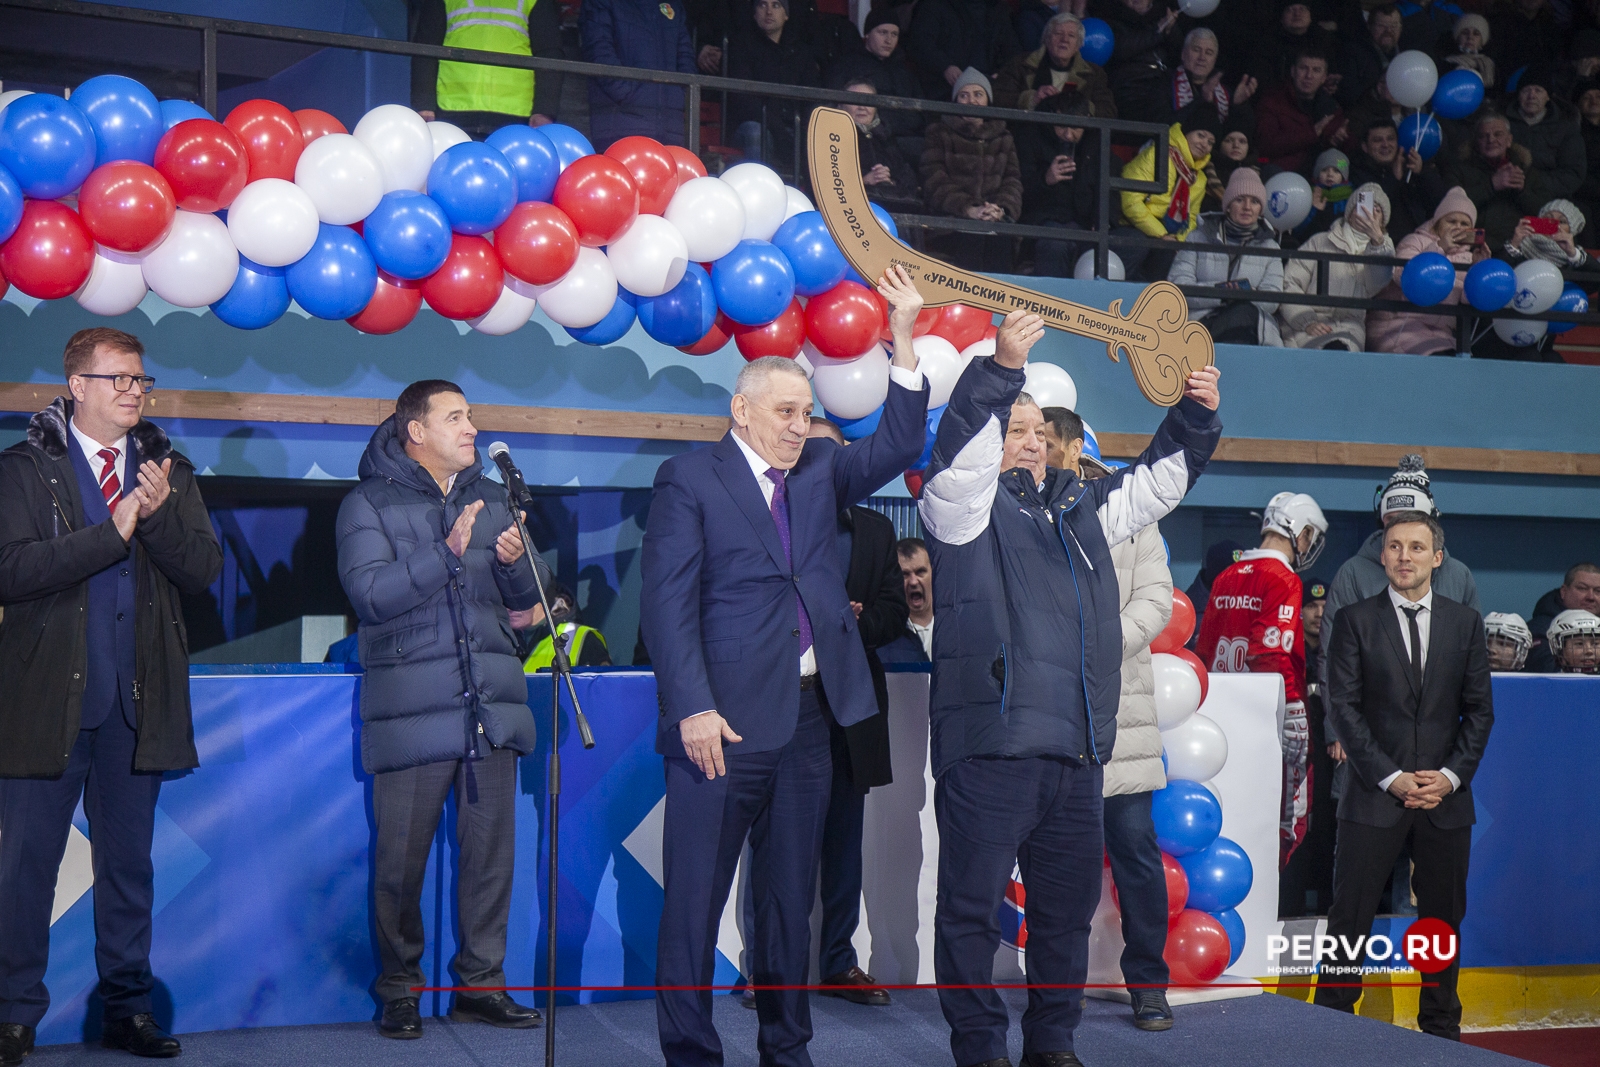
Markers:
(780, 516)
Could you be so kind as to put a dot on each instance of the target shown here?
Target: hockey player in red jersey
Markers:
(1252, 623)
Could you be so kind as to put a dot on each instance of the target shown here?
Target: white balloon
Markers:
(1196, 749)
(1538, 286)
(341, 176)
(796, 203)
(445, 134)
(710, 216)
(1520, 333)
(803, 360)
(851, 388)
(195, 264)
(115, 284)
(511, 312)
(1288, 200)
(273, 222)
(1177, 689)
(399, 139)
(584, 295)
(1050, 386)
(1214, 791)
(1412, 78)
(12, 94)
(761, 192)
(650, 256)
(1083, 270)
(1198, 9)
(984, 347)
(940, 363)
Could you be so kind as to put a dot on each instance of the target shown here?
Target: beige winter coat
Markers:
(1145, 585)
(1344, 279)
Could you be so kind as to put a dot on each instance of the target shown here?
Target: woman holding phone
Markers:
(1360, 231)
(1451, 233)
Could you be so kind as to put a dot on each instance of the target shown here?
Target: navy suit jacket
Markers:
(718, 608)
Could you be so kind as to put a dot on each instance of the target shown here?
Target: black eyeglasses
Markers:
(123, 382)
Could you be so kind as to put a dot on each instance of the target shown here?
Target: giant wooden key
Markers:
(1163, 346)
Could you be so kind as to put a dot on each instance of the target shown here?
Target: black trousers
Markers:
(406, 805)
(1362, 866)
(35, 820)
(841, 861)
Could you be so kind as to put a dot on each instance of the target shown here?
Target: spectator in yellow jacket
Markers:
(1171, 215)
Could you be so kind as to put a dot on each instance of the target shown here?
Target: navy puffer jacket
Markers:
(1028, 647)
(436, 641)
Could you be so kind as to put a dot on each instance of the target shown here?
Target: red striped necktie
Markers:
(110, 484)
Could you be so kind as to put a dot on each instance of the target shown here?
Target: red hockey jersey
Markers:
(1252, 622)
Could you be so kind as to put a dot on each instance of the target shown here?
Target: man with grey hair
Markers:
(757, 648)
(1197, 82)
(1054, 67)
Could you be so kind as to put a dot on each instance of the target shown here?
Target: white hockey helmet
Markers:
(1570, 623)
(1408, 489)
(1509, 625)
(1289, 514)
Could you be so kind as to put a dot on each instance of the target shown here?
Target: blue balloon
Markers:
(1458, 94)
(884, 217)
(1220, 876)
(1427, 279)
(259, 297)
(1233, 926)
(10, 205)
(930, 434)
(408, 233)
(125, 115)
(336, 279)
(618, 321)
(1098, 42)
(1187, 817)
(754, 283)
(532, 157)
(1091, 443)
(1573, 299)
(47, 144)
(570, 146)
(856, 429)
(1421, 133)
(810, 249)
(1490, 285)
(683, 314)
(176, 111)
(475, 185)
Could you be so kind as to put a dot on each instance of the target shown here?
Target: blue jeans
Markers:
(1055, 259)
(1141, 887)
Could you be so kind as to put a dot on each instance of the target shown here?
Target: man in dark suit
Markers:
(101, 527)
(1408, 689)
(756, 645)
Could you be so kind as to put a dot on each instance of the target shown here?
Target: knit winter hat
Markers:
(1582, 86)
(1540, 74)
(1332, 157)
(1379, 197)
(1205, 118)
(972, 76)
(1456, 200)
(1471, 22)
(880, 16)
(1408, 489)
(1244, 182)
(1569, 211)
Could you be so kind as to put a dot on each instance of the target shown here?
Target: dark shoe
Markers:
(496, 1009)
(1001, 1062)
(16, 1041)
(401, 1019)
(1051, 1059)
(140, 1035)
(747, 999)
(862, 988)
(1150, 1010)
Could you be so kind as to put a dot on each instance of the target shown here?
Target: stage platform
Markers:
(1261, 1031)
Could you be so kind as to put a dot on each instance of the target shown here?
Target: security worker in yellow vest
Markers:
(586, 646)
(480, 99)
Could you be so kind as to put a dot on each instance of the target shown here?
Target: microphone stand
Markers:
(560, 668)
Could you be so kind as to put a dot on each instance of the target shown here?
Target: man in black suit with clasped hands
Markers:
(1408, 681)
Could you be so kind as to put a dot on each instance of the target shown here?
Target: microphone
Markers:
(500, 452)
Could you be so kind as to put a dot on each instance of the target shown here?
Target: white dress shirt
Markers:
(1402, 607)
(925, 635)
(90, 446)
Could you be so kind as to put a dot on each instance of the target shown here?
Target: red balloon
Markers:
(1177, 887)
(991, 333)
(652, 168)
(715, 338)
(1197, 949)
(271, 135)
(599, 196)
(689, 164)
(126, 205)
(783, 336)
(961, 325)
(314, 124)
(914, 483)
(1199, 669)
(1178, 628)
(845, 321)
(50, 253)
(469, 282)
(394, 304)
(204, 162)
(537, 242)
(5, 286)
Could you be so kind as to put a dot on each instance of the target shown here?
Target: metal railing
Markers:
(696, 84)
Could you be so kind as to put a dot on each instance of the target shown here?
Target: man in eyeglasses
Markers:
(101, 528)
